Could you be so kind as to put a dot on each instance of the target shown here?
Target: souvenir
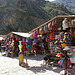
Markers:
(41, 30)
(35, 34)
(50, 26)
(65, 24)
(70, 23)
(46, 29)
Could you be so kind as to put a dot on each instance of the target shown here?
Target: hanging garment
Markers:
(48, 37)
(56, 37)
(67, 65)
(31, 47)
(27, 40)
(70, 23)
(51, 36)
(46, 29)
(50, 44)
(12, 44)
(17, 38)
(37, 31)
(62, 63)
(55, 22)
(12, 35)
(73, 23)
(74, 32)
(35, 34)
(50, 26)
(35, 40)
(55, 25)
(59, 62)
(41, 30)
(29, 43)
(65, 38)
(61, 35)
(65, 24)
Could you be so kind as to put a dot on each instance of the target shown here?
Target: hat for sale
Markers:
(61, 41)
(66, 48)
(59, 54)
(65, 33)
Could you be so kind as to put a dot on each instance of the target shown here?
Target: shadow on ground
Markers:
(43, 69)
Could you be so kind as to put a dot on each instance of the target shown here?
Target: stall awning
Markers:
(19, 33)
(22, 34)
(1, 38)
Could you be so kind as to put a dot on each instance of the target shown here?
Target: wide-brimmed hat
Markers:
(66, 48)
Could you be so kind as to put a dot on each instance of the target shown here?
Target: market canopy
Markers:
(20, 34)
(1, 38)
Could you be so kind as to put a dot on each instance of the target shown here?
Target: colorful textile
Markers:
(50, 26)
(41, 30)
(20, 48)
(63, 45)
(46, 29)
(35, 34)
(65, 24)
(61, 35)
(74, 32)
(59, 54)
(17, 38)
(35, 40)
(59, 62)
(64, 64)
(70, 23)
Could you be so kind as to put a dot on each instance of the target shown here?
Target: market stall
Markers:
(15, 42)
(53, 31)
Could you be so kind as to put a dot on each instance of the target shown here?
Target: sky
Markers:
(50, 0)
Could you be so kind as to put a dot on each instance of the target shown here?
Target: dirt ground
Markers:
(10, 66)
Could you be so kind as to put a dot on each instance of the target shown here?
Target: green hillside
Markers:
(24, 15)
(69, 4)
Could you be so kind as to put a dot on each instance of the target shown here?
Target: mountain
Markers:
(69, 4)
(24, 15)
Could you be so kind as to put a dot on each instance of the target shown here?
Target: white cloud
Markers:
(50, 0)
